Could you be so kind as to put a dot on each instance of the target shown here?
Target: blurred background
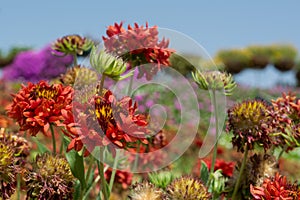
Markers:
(217, 26)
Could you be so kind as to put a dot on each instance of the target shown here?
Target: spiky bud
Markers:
(145, 191)
(215, 80)
(72, 44)
(187, 188)
(108, 65)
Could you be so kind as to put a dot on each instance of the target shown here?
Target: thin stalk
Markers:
(101, 85)
(61, 144)
(53, 139)
(130, 86)
(237, 185)
(75, 62)
(101, 173)
(18, 187)
(90, 188)
(136, 160)
(213, 161)
(114, 170)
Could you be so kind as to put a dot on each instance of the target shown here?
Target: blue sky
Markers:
(213, 24)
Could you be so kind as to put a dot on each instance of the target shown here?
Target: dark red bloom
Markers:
(37, 106)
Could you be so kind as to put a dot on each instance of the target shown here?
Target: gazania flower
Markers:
(138, 45)
(187, 188)
(285, 123)
(276, 188)
(145, 191)
(215, 80)
(37, 106)
(72, 44)
(248, 122)
(51, 178)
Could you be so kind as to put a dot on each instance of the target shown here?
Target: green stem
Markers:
(90, 188)
(53, 139)
(75, 59)
(18, 187)
(130, 86)
(238, 182)
(217, 132)
(113, 174)
(136, 160)
(101, 173)
(101, 85)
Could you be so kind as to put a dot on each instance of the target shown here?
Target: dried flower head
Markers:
(248, 122)
(277, 187)
(108, 65)
(13, 151)
(7, 171)
(37, 106)
(187, 188)
(286, 121)
(72, 44)
(78, 77)
(145, 191)
(51, 178)
(215, 80)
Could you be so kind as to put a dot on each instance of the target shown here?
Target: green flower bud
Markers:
(215, 80)
(108, 65)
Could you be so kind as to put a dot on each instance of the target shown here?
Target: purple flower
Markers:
(36, 65)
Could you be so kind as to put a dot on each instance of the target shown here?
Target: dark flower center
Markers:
(46, 93)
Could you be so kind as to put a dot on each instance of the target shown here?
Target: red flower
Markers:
(122, 177)
(105, 121)
(118, 120)
(138, 45)
(226, 167)
(276, 188)
(37, 106)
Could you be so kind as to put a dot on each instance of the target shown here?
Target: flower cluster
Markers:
(276, 188)
(36, 65)
(51, 178)
(37, 106)
(121, 177)
(138, 45)
(249, 123)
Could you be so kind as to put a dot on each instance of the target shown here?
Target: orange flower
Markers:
(276, 188)
(36, 106)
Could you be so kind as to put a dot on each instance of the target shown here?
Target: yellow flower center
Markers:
(46, 93)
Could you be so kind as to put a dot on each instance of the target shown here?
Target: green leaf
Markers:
(41, 147)
(204, 174)
(77, 190)
(76, 164)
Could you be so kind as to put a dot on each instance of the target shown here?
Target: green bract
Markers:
(215, 80)
(108, 65)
